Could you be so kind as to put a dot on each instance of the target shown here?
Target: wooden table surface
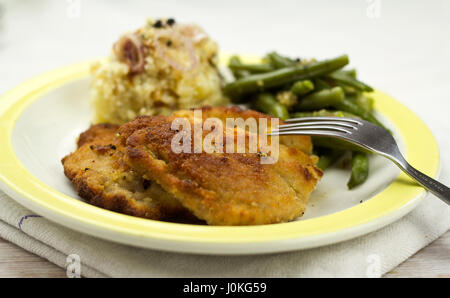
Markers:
(431, 261)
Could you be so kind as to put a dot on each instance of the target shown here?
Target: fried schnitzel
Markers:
(302, 143)
(132, 169)
(104, 179)
(223, 188)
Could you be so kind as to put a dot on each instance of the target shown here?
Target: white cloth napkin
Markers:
(368, 256)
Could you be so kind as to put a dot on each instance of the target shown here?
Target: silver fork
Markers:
(364, 134)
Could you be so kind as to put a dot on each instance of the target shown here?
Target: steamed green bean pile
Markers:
(290, 88)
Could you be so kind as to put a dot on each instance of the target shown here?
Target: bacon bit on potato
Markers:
(130, 49)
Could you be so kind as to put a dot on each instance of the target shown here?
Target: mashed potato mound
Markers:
(163, 66)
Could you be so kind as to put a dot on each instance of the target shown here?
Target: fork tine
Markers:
(310, 132)
(319, 119)
(335, 123)
(314, 127)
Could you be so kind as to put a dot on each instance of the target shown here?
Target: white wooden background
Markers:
(401, 47)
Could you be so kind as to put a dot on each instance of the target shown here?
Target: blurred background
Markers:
(398, 46)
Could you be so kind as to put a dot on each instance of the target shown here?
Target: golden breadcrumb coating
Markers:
(223, 188)
(105, 180)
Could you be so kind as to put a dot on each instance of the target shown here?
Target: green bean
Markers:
(360, 169)
(252, 68)
(348, 90)
(266, 103)
(321, 99)
(365, 102)
(287, 98)
(320, 84)
(350, 72)
(278, 61)
(362, 101)
(241, 70)
(348, 106)
(345, 78)
(335, 98)
(302, 87)
(323, 113)
(277, 78)
(238, 73)
(328, 157)
(234, 60)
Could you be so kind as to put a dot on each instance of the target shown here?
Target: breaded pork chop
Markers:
(104, 179)
(302, 143)
(221, 188)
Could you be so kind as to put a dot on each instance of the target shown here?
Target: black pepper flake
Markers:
(260, 154)
(146, 184)
(158, 24)
(170, 22)
(92, 147)
(360, 201)
(113, 147)
(86, 169)
(169, 43)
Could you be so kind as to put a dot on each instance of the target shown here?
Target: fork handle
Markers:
(435, 187)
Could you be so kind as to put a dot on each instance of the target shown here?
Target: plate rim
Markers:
(28, 190)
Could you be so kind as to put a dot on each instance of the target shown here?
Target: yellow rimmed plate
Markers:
(41, 118)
